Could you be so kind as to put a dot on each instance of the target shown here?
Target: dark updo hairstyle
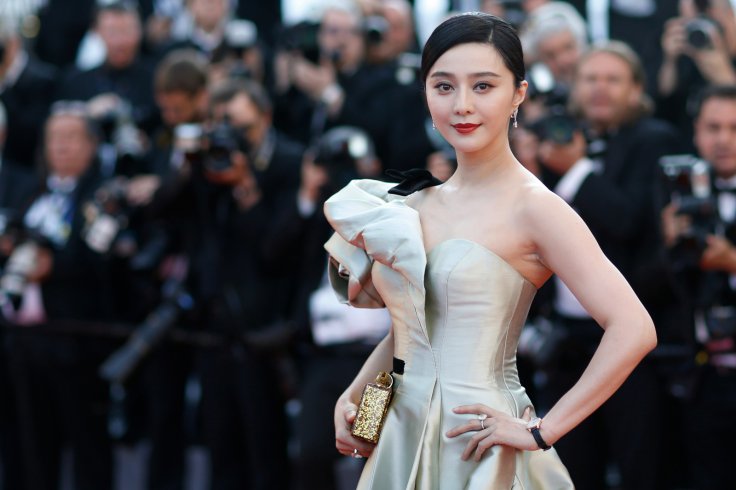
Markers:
(475, 27)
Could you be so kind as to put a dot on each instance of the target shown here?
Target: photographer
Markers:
(119, 90)
(144, 280)
(554, 39)
(609, 181)
(334, 339)
(391, 47)
(328, 83)
(707, 287)
(390, 30)
(235, 175)
(699, 49)
(52, 278)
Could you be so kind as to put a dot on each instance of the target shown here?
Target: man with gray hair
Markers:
(554, 35)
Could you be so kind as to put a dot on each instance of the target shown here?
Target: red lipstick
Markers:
(465, 128)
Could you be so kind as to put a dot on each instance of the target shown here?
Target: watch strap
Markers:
(538, 437)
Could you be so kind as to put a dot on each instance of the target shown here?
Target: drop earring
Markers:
(513, 116)
(433, 126)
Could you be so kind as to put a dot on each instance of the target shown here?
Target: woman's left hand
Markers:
(498, 428)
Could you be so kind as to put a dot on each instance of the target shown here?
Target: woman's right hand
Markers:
(346, 444)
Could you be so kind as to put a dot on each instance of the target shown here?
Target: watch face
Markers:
(534, 423)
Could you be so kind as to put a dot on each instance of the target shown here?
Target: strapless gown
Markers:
(457, 313)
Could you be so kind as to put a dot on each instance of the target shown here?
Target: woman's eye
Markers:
(483, 86)
(443, 87)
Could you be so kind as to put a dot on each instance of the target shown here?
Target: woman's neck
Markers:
(476, 169)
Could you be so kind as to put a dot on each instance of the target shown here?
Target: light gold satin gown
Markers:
(457, 313)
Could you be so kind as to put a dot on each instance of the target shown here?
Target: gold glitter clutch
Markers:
(373, 408)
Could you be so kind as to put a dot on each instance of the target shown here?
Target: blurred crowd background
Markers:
(163, 282)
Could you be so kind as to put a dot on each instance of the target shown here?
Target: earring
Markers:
(433, 126)
(516, 112)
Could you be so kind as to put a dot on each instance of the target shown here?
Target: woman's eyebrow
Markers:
(444, 74)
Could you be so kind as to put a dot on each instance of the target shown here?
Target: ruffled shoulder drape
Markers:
(372, 225)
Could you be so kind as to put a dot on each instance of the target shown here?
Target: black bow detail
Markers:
(412, 180)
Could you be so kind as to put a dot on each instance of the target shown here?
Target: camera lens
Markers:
(558, 128)
(697, 33)
(375, 28)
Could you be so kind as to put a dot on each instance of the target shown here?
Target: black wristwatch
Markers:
(533, 426)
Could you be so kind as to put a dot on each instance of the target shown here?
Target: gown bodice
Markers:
(457, 313)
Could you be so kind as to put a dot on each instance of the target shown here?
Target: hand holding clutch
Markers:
(373, 408)
(346, 444)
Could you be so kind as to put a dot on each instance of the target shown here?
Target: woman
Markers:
(457, 265)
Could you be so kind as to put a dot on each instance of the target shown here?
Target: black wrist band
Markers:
(540, 442)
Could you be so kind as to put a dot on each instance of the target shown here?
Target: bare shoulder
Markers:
(546, 218)
(537, 203)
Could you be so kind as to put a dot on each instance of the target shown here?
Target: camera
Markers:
(121, 363)
(302, 37)
(557, 126)
(374, 29)
(19, 266)
(697, 32)
(119, 129)
(688, 181)
(108, 228)
(240, 36)
(542, 86)
(106, 215)
(212, 146)
(222, 140)
(20, 263)
(342, 151)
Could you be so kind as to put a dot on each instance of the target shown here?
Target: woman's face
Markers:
(471, 96)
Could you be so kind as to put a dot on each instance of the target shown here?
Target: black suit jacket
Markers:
(27, 104)
(297, 242)
(367, 105)
(78, 287)
(236, 285)
(17, 185)
(619, 205)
